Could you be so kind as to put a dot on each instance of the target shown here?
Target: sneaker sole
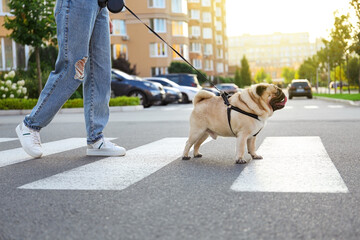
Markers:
(97, 152)
(19, 134)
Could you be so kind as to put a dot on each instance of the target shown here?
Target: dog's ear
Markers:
(260, 89)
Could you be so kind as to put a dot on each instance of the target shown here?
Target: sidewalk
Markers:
(71, 110)
(352, 103)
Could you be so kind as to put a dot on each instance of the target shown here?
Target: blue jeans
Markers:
(84, 58)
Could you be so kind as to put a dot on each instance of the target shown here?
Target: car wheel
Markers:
(185, 98)
(142, 98)
(310, 96)
(290, 97)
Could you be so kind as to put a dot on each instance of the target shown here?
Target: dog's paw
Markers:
(256, 156)
(241, 161)
(186, 158)
(199, 155)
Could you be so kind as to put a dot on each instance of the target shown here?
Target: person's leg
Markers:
(96, 89)
(75, 21)
(97, 83)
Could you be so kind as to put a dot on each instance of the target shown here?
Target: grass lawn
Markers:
(352, 97)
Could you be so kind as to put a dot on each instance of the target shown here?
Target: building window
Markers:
(4, 8)
(156, 3)
(207, 33)
(195, 31)
(206, 3)
(220, 67)
(195, 14)
(208, 49)
(194, 1)
(219, 39)
(12, 55)
(158, 70)
(183, 49)
(197, 63)
(180, 28)
(209, 65)
(196, 47)
(158, 25)
(179, 6)
(120, 50)
(158, 50)
(218, 25)
(219, 53)
(218, 12)
(119, 27)
(206, 17)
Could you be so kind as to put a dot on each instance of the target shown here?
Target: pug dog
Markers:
(210, 118)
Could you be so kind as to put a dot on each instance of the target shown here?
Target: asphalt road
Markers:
(153, 194)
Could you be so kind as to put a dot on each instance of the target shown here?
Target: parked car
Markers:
(213, 90)
(173, 94)
(188, 93)
(230, 88)
(123, 84)
(300, 88)
(183, 79)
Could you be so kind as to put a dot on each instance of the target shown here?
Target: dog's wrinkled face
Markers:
(275, 96)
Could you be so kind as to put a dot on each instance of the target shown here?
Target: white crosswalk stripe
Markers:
(116, 173)
(7, 139)
(291, 164)
(17, 155)
(311, 107)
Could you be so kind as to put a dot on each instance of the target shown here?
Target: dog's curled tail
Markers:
(202, 95)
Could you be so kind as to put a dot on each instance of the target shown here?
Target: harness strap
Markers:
(231, 107)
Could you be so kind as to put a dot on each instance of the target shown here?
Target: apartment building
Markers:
(195, 28)
(12, 55)
(273, 51)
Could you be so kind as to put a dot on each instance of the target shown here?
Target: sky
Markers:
(257, 17)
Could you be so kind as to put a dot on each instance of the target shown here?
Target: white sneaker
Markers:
(30, 140)
(106, 148)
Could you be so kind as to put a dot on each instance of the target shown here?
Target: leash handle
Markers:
(156, 34)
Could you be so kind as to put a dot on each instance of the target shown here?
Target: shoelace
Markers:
(35, 137)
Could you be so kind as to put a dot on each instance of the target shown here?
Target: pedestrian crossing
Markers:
(300, 164)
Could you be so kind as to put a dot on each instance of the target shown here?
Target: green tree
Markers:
(340, 35)
(124, 65)
(33, 24)
(237, 78)
(307, 69)
(245, 72)
(260, 76)
(288, 74)
(355, 47)
(353, 72)
(182, 67)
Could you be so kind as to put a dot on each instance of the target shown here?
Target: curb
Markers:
(72, 110)
(352, 103)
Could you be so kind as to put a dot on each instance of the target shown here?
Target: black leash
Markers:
(184, 59)
(117, 7)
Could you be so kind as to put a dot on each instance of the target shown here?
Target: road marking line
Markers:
(116, 173)
(311, 107)
(17, 155)
(291, 164)
(7, 139)
(335, 106)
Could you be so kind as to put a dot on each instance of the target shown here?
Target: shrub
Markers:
(17, 103)
(11, 89)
